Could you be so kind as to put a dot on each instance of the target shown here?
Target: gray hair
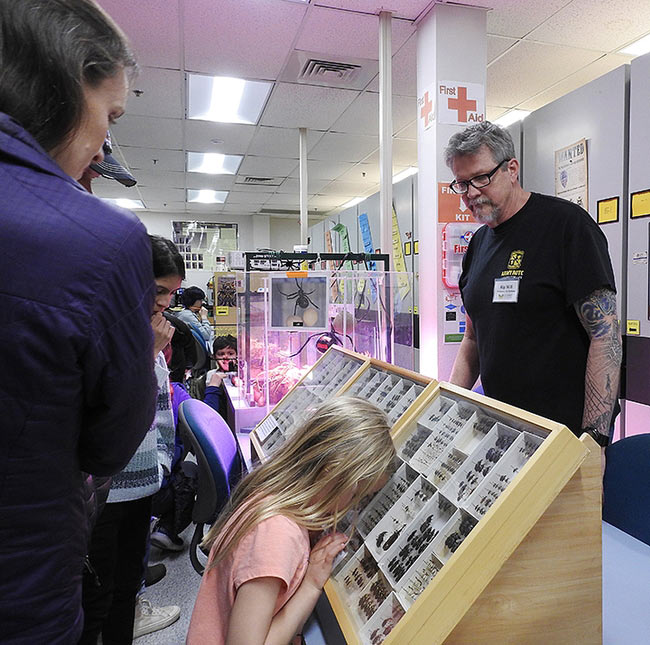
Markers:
(471, 139)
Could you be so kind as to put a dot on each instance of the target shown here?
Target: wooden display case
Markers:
(488, 531)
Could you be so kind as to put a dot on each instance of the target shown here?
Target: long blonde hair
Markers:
(343, 450)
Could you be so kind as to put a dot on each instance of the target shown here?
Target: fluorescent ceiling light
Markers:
(213, 163)
(125, 203)
(404, 174)
(637, 48)
(353, 202)
(204, 196)
(226, 99)
(511, 117)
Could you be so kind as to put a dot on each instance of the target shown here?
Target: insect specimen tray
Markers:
(487, 532)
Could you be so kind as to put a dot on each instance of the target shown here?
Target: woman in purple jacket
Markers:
(77, 389)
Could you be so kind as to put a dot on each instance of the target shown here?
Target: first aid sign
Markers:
(460, 103)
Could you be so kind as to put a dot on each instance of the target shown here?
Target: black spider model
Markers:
(301, 297)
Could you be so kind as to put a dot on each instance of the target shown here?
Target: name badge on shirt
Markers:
(506, 290)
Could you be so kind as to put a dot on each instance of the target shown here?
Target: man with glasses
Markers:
(538, 287)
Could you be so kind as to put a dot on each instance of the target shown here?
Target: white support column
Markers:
(304, 220)
(451, 68)
(385, 135)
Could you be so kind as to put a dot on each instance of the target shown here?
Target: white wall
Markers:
(161, 224)
(284, 234)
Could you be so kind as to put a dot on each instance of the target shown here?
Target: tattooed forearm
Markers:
(597, 313)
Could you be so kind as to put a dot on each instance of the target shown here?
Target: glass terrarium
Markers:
(288, 319)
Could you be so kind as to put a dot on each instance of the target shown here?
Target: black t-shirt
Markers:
(533, 352)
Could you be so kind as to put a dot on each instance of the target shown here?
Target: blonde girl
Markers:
(262, 582)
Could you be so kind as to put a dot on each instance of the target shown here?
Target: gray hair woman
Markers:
(77, 389)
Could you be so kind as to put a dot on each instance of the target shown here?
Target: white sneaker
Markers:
(167, 542)
(150, 619)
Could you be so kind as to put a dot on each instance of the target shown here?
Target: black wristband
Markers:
(601, 439)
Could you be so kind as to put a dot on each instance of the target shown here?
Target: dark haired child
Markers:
(224, 352)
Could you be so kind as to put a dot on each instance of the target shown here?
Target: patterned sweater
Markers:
(143, 475)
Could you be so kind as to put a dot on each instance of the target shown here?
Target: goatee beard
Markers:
(491, 217)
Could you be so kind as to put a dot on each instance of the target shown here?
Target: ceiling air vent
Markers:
(260, 181)
(329, 70)
(315, 68)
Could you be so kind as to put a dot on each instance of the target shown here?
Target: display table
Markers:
(626, 582)
(240, 416)
(626, 587)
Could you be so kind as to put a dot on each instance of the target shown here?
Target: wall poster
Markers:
(571, 174)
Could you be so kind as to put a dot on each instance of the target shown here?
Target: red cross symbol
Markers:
(462, 104)
(427, 108)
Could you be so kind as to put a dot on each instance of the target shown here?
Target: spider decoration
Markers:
(301, 297)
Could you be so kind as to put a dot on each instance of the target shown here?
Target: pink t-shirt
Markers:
(276, 548)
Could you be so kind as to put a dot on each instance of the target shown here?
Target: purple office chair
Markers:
(209, 438)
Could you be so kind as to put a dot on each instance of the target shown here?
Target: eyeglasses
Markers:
(480, 181)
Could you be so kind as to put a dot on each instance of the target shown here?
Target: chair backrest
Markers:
(201, 351)
(211, 440)
(626, 486)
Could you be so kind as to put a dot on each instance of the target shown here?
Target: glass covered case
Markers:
(288, 319)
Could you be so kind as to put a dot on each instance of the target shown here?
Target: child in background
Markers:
(224, 351)
(260, 563)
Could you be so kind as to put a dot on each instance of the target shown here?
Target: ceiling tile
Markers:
(347, 188)
(281, 142)
(596, 24)
(362, 117)
(235, 137)
(242, 38)
(515, 18)
(148, 132)
(161, 93)
(363, 173)
(284, 199)
(405, 153)
(163, 194)
(327, 202)
(496, 45)
(579, 78)
(404, 70)
(528, 68)
(293, 106)
(292, 186)
(162, 178)
(347, 33)
(408, 9)
(204, 208)
(344, 147)
(159, 205)
(494, 111)
(103, 187)
(152, 27)
(247, 198)
(267, 166)
(143, 159)
(324, 170)
(241, 209)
